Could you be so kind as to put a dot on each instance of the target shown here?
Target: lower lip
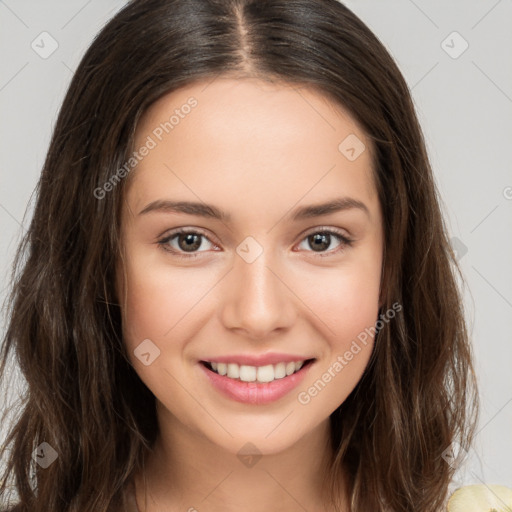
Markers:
(256, 393)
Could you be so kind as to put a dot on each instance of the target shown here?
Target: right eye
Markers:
(184, 243)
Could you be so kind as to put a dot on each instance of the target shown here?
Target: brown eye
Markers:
(189, 242)
(186, 243)
(321, 242)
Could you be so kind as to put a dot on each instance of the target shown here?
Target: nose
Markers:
(257, 301)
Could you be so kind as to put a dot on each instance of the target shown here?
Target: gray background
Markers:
(464, 101)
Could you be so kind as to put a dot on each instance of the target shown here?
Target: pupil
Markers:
(321, 241)
(191, 240)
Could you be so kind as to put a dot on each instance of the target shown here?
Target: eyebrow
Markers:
(210, 211)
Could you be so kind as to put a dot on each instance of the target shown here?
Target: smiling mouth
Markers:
(261, 374)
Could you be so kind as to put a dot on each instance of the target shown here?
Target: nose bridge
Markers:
(255, 299)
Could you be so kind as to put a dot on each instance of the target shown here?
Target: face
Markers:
(252, 239)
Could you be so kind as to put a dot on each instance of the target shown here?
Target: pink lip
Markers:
(256, 393)
(259, 360)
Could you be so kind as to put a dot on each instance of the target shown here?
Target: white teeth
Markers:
(290, 368)
(247, 373)
(266, 373)
(233, 371)
(279, 370)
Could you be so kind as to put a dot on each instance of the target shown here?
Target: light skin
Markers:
(259, 152)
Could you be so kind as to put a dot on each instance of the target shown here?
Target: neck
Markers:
(186, 471)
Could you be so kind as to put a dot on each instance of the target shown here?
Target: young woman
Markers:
(237, 292)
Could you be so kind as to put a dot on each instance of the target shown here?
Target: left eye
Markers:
(320, 241)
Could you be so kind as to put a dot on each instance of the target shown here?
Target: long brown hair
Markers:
(83, 397)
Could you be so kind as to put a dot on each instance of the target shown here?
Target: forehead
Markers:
(230, 137)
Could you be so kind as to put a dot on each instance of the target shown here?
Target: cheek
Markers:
(145, 308)
(147, 315)
(348, 311)
(345, 303)
(345, 299)
(156, 300)
(159, 306)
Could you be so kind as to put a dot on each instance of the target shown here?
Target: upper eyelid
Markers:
(185, 231)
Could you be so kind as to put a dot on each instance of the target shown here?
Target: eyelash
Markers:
(343, 239)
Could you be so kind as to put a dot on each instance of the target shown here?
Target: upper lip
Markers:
(258, 360)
